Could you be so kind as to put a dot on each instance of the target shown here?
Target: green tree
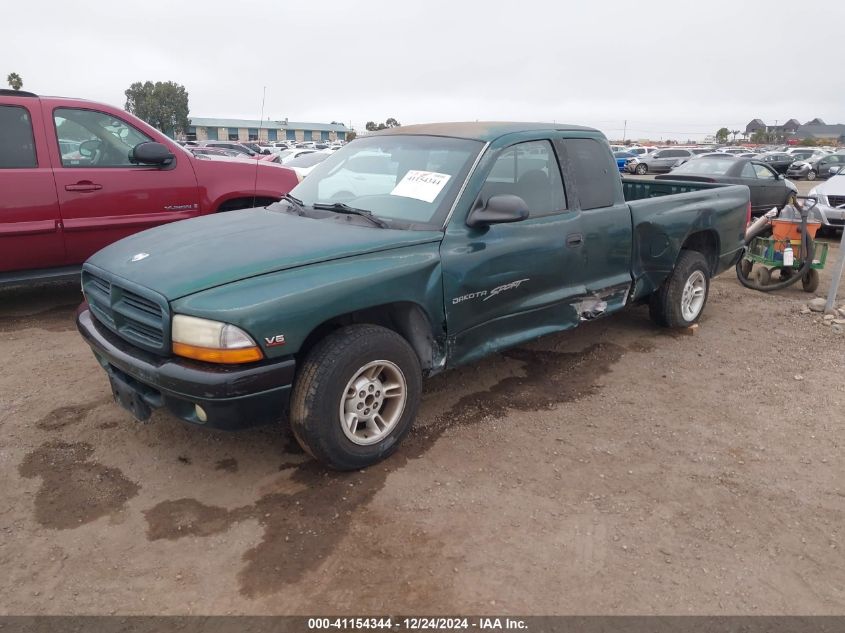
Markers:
(808, 142)
(350, 135)
(734, 133)
(760, 136)
(15, 81)
(722, 134)
(163, 104)
(371, 126)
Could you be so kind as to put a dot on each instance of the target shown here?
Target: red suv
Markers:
(77, 175)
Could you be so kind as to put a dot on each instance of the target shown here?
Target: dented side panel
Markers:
(664, 216)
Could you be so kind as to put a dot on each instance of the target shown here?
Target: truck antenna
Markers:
(258, 158)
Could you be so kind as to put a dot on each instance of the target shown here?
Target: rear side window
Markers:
(595, 171)
(17, 145)
(748, 171)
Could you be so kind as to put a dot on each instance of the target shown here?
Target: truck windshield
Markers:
(412, 180)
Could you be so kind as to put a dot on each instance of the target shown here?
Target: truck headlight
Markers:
(820, 196)
(212, 341)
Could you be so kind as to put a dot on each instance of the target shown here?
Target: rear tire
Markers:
(325, 417)
(680, 301)
(763, 276)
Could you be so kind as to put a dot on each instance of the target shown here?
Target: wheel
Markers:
(680, 301)
(356, 396)
(641, 169)
(762, 276)
(810, 280)
(746, 267)
(811, 175)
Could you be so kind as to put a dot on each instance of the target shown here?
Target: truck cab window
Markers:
(595, 171)
(88, 138)
(528, 170)
(17, 145)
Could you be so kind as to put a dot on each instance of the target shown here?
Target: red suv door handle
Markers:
(84, 185)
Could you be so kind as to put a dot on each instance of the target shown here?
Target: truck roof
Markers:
(479, 130)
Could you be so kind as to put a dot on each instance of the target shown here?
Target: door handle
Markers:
(84, 186)
(574, 239)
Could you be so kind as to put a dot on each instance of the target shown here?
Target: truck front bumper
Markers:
(216, 396)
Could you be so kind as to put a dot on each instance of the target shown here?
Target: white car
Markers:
(365, 173)
(831, 206)
(305, 163)
(289, 154)
(641, 151)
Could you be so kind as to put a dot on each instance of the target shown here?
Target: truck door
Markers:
(102, 196)
(30, 229)
(506, 283)
(605, 224)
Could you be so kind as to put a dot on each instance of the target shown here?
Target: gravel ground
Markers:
(618, 468)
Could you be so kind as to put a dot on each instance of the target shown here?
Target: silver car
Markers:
(661, 161)
(831, 196)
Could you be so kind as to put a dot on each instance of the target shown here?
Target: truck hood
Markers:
(193, 255)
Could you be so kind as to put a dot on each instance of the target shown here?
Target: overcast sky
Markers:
(671, 68)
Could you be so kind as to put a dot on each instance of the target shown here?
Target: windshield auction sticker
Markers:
(421, 185)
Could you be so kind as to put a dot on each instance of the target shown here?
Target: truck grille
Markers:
(139, 319)
(835, 201)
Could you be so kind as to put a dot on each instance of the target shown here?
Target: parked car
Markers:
(216, 151)
(305, 163)
(330, 310)
(779, 161)
(290, 154)
(815, 166)
(660, 161)
(641, 151)
(230, 145)
(112, 175)
(768, 188)
(831, 200)
(810, 151)
(622, 158)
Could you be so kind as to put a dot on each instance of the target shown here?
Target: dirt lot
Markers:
(616, 469)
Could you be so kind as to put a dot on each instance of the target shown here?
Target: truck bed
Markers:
(666, 213)
(638, 189)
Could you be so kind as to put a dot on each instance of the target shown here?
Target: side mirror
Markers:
(499, 210)
(150, 153)
(781, 177)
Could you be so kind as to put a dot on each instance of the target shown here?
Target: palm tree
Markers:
(735, 134)
(15, 81)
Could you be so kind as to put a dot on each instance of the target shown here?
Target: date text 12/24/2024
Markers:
(417, 623)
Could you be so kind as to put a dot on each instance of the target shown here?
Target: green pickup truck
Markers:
(405, 253)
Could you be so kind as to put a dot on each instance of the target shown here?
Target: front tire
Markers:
(680, 301)
(641, 169)
(811, 175)
(356, 396)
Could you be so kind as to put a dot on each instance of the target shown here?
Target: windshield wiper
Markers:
(340, 207)
(295, 202)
